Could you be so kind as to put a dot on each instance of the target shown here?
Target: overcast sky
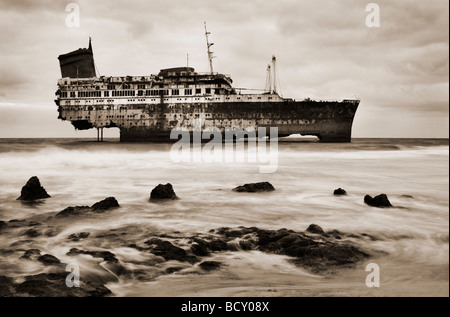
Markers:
(325, 50)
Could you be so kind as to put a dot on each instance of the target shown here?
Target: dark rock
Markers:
(6, 286)
(16, 220)
(105, 255)
(73, 211)
(210, 265)
(33, 190)
(335, 233)
(408, 196)
(315, 229)
(317, 254)
(54, 285)
(32, 233)
(380, 201)
(163, 192)
(78, 236)
(173, 269)
(169, 251)
(52, 232)
(2, 225)
(31, 253)
(48, 259)
(255, 187)
(200, 247)
(105, 204)
(339, 192)
(245, 245)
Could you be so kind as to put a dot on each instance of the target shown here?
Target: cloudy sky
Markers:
(325, 50)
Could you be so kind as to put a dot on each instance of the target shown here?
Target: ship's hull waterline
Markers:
(329, 121)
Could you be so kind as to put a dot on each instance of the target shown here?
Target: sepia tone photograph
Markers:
(241, 151)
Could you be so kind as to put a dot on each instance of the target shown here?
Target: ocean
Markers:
(411, 239)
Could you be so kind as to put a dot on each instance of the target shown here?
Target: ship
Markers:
(147, 108)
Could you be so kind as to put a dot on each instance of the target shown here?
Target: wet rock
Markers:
(33, 190)
(339, 192)
(317, 254)
(335, 233)
(16, 220)
(52, 232)
(163, 192)
(255, 187)
(15, 223)
(200, 247)
(105, 204)
(54, 285)
(32, 233)
(246, 245)
(169, 251)
(313, 228)
(31, 254)
(105, 255)
(210, 265)
(78, 236)
(380, 201)
(48, 259)
(73, 211)
(173, 269)
(6, 286)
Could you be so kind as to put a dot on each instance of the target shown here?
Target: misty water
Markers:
(414, 234)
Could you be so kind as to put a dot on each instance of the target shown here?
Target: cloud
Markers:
(324, 49)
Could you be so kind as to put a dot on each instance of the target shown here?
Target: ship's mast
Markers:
(269, 80)
(274, 63)
(208, 46)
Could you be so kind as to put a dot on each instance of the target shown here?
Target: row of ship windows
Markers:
(67, 102)
(132, 93)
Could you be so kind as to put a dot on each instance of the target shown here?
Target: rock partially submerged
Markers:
(313, 228)
(210, 265)
(33, 190)
(48, 259)
(105, 204)
(98, 207)
(6, 286)
(163, 192)
(340, 192)
(73, 211)
(105, 255)
(2, 225)
(54, 285)
(255, 187)
(313, 249)
(169, 251)
(78, 236)
(380, 201)
(31, 254)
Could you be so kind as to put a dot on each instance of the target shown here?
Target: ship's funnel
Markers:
(78, 64)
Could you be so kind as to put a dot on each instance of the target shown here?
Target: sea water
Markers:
(414, 234)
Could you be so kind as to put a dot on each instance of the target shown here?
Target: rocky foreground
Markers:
(315, 250)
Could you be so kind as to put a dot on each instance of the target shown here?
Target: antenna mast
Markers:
(274, 63)
(268, 80)
(210, 54)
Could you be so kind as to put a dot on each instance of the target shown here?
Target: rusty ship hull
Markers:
(329, 121)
